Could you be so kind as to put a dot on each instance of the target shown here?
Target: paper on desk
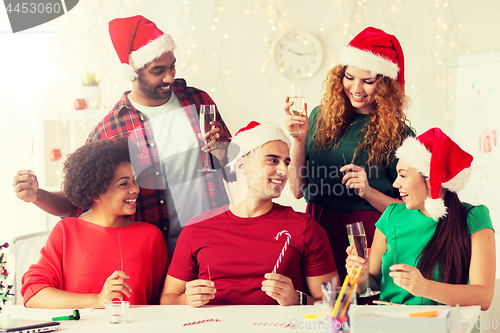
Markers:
(453, 315)
(406, 314)
(393, 319)
(48, 314)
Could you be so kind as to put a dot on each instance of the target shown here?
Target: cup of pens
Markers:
(333, 311)
(324, 308)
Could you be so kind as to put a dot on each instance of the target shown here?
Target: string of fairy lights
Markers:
(279, 17)
(445, 46)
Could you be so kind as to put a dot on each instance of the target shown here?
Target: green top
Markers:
(413, 232)
(325, 186)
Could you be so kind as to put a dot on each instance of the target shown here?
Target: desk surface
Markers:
(172, 318)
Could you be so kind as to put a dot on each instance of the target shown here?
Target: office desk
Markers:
(172, 318)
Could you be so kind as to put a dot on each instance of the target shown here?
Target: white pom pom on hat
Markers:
(439, 158)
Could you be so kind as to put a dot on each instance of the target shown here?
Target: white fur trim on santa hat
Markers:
(258, 136)
(126, 71)
(256, 139)
(435, 208)
(458, 182)
(368, 61)
(415, 155)
(151, 51)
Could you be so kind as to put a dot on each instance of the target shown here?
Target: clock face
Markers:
(298, 54)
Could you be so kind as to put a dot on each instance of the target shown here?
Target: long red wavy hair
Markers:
(381, 136)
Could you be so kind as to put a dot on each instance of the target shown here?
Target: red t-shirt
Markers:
(79, 256)
(240, 251)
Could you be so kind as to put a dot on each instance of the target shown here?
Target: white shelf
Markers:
(65, 130)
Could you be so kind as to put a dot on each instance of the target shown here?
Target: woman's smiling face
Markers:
(412, 187)
(359, 86)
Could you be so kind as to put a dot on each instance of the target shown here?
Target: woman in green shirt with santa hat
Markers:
(433, 248)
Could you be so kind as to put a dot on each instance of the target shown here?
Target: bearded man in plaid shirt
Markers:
(160, 117)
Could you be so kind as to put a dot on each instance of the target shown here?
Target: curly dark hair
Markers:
(382, 135)
(89, 170)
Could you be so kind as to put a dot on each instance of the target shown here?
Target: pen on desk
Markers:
(74, 316)
(352, 290)
(342, 291)
(424, 314)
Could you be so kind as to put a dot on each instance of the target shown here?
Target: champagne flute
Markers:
(207, 115)
(357, 239)
(296, 95)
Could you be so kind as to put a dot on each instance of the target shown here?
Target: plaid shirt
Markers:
(125, 120)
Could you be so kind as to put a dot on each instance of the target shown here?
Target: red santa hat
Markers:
(437, 157)
(377, 52)
(255, 135)
(138, 42)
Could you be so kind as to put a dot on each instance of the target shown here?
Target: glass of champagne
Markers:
(357, 239)
(207, 115)
(296, 95)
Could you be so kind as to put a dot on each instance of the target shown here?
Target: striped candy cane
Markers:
(284, 325)
(288, 236)
(201, 322)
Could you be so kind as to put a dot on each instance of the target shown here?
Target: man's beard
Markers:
(152, 93)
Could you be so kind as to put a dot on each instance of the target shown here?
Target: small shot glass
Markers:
(117, 311)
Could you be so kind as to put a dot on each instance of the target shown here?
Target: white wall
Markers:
(43, 65)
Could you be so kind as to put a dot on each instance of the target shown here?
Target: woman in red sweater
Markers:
(101, 255)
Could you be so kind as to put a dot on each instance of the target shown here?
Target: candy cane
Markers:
(201, 321)
(288, 236)
(284, 325)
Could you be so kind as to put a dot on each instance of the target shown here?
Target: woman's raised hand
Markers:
(296, 124)
(356, 178)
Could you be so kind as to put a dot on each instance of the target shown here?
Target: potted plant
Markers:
(90, 80)
(90, 90)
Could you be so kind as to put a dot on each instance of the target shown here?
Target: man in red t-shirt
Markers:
(253, 251)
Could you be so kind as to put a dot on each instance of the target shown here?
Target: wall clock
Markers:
(298, 54)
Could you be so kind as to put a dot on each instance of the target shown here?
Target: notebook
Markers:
(26, 326)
